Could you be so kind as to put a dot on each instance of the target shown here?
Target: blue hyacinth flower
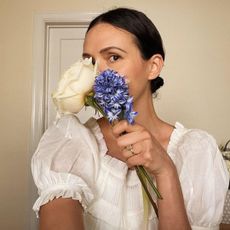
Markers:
(112, 95)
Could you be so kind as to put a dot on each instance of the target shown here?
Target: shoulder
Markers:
(194, 148)
(196, 141)
(69, 127)
(66, 143)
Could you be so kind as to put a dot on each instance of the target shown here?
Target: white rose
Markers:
(74, 85)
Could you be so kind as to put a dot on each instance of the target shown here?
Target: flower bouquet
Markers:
(107, 93)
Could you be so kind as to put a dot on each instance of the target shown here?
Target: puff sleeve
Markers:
(203, 176)
(65, 163)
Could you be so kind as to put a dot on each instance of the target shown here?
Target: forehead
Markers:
(104, 34)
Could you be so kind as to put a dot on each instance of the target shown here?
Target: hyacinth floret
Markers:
(129, 113)
(112, 95)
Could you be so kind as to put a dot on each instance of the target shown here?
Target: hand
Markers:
(145, 149)
(148, 152)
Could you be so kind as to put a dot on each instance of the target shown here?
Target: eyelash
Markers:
(114, 56)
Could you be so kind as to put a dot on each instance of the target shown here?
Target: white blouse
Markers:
(71, 162)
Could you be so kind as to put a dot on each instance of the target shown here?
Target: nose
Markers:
(101, 65)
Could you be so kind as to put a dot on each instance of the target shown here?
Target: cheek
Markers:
(137, 87)
(136, 75)
(138, 84)
(133, 70)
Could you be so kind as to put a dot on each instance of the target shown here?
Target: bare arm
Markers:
(61, 214)
(171, 209)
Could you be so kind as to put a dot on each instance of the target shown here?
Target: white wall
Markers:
(197, 75)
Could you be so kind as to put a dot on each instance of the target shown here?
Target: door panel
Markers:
(64, 47)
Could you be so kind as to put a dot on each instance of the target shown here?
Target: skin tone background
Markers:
(196, 37)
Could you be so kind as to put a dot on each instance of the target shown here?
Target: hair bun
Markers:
(156, 84)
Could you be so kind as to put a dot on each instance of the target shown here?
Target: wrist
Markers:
(167, 171)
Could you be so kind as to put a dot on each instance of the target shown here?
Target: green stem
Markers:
(89, 100)
(142, 169)
(140, 175)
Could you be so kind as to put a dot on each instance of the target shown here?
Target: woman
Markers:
(86, 172)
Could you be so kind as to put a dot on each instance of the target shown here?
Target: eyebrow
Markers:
(112, 47)
(104, 50)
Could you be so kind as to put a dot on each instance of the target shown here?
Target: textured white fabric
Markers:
(71, 161)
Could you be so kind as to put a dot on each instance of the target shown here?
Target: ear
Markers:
(156, 64)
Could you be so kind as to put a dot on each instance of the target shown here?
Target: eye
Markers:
(114, 58)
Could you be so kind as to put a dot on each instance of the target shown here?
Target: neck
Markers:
(148, 118)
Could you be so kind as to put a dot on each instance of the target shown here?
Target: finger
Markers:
(138, 148)
(124, 127)
(128, 152)
(134, 148)
(134, 160)
(135, 137)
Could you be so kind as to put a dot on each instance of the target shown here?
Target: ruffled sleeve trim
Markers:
(66, 186)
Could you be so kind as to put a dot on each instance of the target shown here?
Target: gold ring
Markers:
(130, 148)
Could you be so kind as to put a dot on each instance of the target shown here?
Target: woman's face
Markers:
(115, 48)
